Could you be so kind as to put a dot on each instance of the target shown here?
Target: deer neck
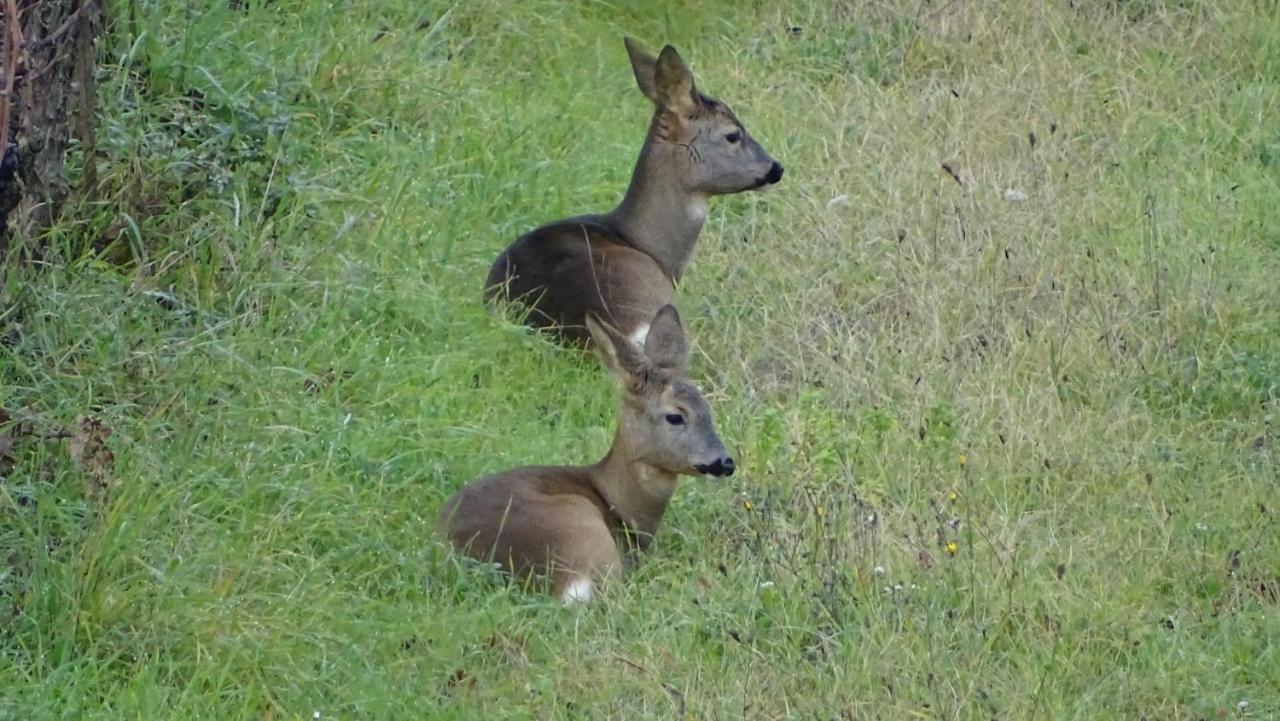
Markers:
(636, 492)
(658, 215)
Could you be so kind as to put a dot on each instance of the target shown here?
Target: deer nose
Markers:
(775, 173)
(722, 467)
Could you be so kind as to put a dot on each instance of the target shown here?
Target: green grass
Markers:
(275, 310)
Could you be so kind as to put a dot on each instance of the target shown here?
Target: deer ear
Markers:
(619, 355)
(644, 66)
(666, 346)
(674, 83)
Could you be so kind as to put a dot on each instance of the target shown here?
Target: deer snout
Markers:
(775, 173)
(721, 468)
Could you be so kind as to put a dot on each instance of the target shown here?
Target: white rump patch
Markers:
(639, 335)
(579, 590)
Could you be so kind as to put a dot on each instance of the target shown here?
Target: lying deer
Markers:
(623, 265)
(576, 524)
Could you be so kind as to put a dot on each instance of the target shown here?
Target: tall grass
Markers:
(1006, 429)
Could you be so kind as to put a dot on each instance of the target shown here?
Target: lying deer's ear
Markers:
(619, 355)
(674, 83)
(666, 346)
(644, 66)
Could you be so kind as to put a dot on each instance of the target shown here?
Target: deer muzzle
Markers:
(722, 467)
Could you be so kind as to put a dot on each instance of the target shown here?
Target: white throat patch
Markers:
(697, 208)
(579, 590)
(639, 335)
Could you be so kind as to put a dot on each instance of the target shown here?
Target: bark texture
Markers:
(48, 55)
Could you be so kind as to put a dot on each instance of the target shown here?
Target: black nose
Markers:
(775, 173)
(722, 467)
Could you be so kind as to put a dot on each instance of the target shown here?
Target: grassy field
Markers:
(1006, 428)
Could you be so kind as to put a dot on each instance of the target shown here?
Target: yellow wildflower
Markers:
(952, 547)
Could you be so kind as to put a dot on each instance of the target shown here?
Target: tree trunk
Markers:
(48, 52)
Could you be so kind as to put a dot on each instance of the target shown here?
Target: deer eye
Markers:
(733, 137)
(675, 419)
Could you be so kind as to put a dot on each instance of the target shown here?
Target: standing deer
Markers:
(576, 524)
(623, 265)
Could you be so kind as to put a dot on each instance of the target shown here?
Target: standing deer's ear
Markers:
(665, 346)
(619, 355)
(674, 83)
(644, 66)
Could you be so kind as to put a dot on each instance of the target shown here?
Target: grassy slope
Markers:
(1078, 391)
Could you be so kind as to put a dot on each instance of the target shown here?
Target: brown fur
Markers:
(623, 266)
(580, 522)
(563, 271)
(535, 519)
